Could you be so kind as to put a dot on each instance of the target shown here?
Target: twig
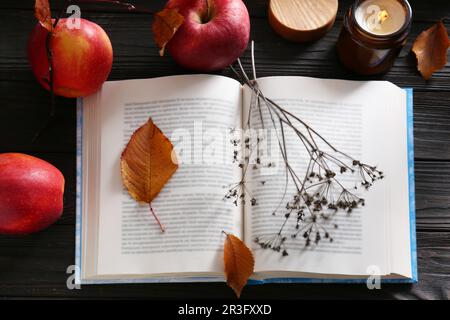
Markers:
(52, 109)
(319, 193)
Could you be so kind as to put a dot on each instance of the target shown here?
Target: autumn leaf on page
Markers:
(147, 163)
(430, 49)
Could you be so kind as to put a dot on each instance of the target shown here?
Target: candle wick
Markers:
(382, 16)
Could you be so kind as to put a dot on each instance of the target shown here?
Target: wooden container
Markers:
(302, 20)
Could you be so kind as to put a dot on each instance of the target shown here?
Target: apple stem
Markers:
(208, 13)
(156, 218)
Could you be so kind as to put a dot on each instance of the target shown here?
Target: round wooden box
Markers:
(302, 20)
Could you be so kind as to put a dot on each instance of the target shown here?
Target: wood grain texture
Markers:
(35, 266)
(302, 20)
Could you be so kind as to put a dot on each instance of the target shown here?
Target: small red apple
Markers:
(213, 35)
(31, 194)
(82, 57)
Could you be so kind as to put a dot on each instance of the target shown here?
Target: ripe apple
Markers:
(31, 194)
(213, 35)
(82, 57)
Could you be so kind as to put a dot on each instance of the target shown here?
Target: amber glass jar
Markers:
(368, 53)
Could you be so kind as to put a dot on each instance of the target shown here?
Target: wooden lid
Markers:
(302, 20)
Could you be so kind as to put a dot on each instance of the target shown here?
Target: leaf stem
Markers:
(156, 218)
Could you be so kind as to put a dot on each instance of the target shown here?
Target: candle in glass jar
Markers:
(380, 17)
(373, 33)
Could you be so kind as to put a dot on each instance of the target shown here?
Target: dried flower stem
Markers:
(319, 193)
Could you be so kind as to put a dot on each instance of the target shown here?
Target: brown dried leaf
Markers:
(165, 23)
(147, 163)
(430, 49)
(43, 14)
(238, 261)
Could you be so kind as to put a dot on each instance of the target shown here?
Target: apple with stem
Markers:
(81, 56)
(213, 35)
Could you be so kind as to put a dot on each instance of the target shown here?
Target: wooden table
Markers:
(35, 266)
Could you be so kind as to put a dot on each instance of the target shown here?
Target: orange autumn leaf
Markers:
(430, 49)
(238, 261)
(165, 23)
(43, 14)
(147, 163)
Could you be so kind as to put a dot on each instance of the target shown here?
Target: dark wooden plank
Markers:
(432, 180)
(423, 10)
(276, 56)
(432, 125)
(27, 112)
(42, 259)
(136, 57)
(37, 268)
(432, 191)
(24, 113)
(432, 196)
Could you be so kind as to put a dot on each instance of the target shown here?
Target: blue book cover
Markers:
(413, 279)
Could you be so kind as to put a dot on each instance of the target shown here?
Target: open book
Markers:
(119, 241)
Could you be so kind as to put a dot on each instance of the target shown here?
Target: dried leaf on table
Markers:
(430, 49)
(147, 163)
(43, 14)
(239, 263)
(165, 24)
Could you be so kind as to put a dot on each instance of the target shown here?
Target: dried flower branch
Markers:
(319, 193)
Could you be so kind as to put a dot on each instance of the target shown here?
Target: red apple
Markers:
(82, 57)
(210, 38)
(31, 194)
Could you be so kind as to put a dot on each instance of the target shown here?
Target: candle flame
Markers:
(382, 16)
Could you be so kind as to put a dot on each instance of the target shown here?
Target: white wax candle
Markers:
(381, 17)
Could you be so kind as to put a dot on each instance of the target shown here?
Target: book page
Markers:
(354, 117)
(194, 112)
